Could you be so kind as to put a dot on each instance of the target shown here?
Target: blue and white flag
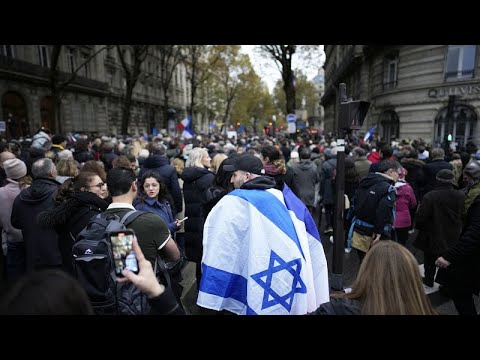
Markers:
(369, 134)
(262, 255)
(185, 125)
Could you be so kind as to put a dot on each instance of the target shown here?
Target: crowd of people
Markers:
(253, 208)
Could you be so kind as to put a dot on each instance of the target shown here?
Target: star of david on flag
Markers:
(262, 255)
(294, 267)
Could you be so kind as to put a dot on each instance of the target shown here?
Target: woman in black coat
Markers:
(197, 179)
(78, 200)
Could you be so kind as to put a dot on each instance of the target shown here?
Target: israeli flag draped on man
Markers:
(269, 261)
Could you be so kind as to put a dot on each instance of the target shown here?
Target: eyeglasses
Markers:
(99, 185)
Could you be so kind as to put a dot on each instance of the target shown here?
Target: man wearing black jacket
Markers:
(374, 206)
(41, 244)
(462, 260)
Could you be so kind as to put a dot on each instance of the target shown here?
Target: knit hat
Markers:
(15, 169)
(144, 153)
(64, 155)
(445, 176)
(472, 169)
(423, 155)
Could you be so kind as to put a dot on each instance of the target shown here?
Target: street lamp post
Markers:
(351, 116)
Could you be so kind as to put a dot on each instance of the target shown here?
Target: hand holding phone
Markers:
(146, 280)
(123, 253)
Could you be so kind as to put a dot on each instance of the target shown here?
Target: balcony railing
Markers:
(23, 70)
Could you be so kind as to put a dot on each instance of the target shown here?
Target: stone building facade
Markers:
(415, 91)
(93, 102)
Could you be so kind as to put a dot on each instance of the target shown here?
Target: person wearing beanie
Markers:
(15, 169)
(64, 155)
(460, 264)
(294, 158)
(12, 239)
(5, 155)
(439, 222)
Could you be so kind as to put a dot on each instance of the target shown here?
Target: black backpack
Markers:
(94, 268)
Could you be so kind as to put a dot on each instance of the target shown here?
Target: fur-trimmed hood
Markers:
(70, 208)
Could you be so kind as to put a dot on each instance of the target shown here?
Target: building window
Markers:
(7, 50)
(71, 60)
(460, 124)
(86, 68)
(43, 55)
(390, 71)
(460, 62)
(390, 126)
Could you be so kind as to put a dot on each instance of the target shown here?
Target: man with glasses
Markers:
(373, 207)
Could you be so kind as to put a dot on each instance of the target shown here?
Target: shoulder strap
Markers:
(162, 268)
(130, 216)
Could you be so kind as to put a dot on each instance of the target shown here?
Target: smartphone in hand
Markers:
(123, 254)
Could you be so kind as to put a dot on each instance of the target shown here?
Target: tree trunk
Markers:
(192, 104)
(126, 109)
(165, 112)
(289, 89)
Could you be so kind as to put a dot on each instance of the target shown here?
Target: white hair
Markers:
(195, 157)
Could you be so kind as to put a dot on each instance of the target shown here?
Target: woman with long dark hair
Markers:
(153, 196)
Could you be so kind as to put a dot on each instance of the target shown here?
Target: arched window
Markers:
(390, 125)
(14, 111)
(461, 125)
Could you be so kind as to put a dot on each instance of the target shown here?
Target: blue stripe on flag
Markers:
(300, 210)
(250, 311)
(224, 284)
(272, 209)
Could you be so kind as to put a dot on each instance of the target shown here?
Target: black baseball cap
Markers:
(248, 163)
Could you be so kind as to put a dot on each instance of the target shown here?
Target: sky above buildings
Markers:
(268, 70)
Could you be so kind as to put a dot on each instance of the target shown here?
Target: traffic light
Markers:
(267, 130)
(353, 113)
